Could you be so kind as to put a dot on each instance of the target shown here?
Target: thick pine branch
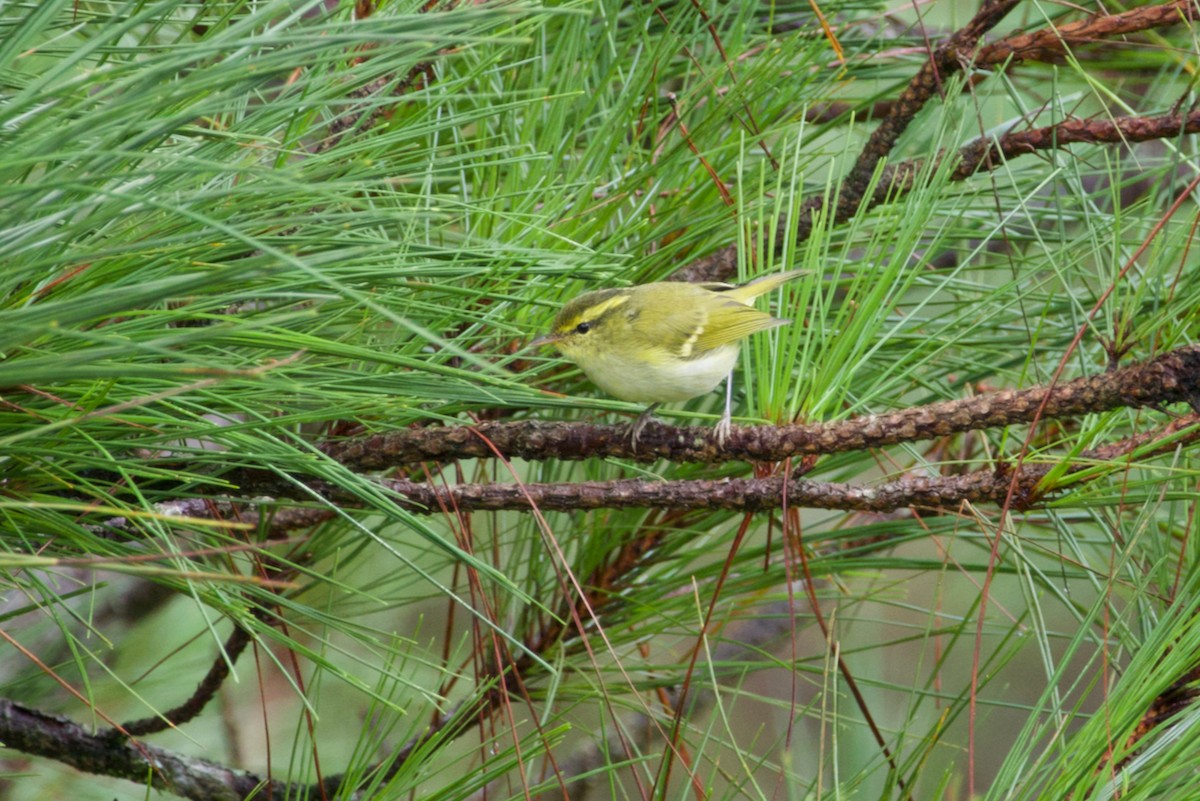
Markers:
(32, 732)
(1170, 378)
(940, 493)
(944, 493)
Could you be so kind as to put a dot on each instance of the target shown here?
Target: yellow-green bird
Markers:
(663, 342)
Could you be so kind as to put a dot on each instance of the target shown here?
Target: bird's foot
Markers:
(635, 428)
(722, 428)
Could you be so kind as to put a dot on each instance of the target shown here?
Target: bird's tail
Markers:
(750, 290)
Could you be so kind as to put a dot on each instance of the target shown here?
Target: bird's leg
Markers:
(725, 424)
(635, 428)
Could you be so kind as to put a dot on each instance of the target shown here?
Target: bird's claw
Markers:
(721, 430)
(635, 428)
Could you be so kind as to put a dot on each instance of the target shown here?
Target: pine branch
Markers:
(205, 691)
(32, 732)
(948, 58)
(900, 178)
(939, 493)
(985, 154)
(1170, 378)
(1052, 43)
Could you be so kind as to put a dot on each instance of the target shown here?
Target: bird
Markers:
(663, 342)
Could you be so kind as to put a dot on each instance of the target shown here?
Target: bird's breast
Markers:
(660, 378)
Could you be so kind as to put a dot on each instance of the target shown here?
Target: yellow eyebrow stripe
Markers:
(602, 308)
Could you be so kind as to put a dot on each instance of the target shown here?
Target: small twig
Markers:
(897, 180)
(983, 154)
(1052, 43)
(945, 60)
(212, 681)
(363, 117)
(900, 178)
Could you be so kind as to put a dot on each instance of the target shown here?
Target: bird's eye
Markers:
(583, 328)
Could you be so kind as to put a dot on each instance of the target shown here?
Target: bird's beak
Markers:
(540, 342)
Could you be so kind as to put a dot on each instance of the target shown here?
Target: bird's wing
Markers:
(668, 323)
(698, 319)
(728, 321)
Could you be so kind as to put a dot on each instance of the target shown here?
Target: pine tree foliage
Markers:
(243, 238)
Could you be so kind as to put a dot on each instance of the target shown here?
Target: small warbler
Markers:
(667, 341)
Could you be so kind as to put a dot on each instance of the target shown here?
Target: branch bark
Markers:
(985, 154)
(763, 494)
(59, 738)
(1170, 378)
(1053, 42)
